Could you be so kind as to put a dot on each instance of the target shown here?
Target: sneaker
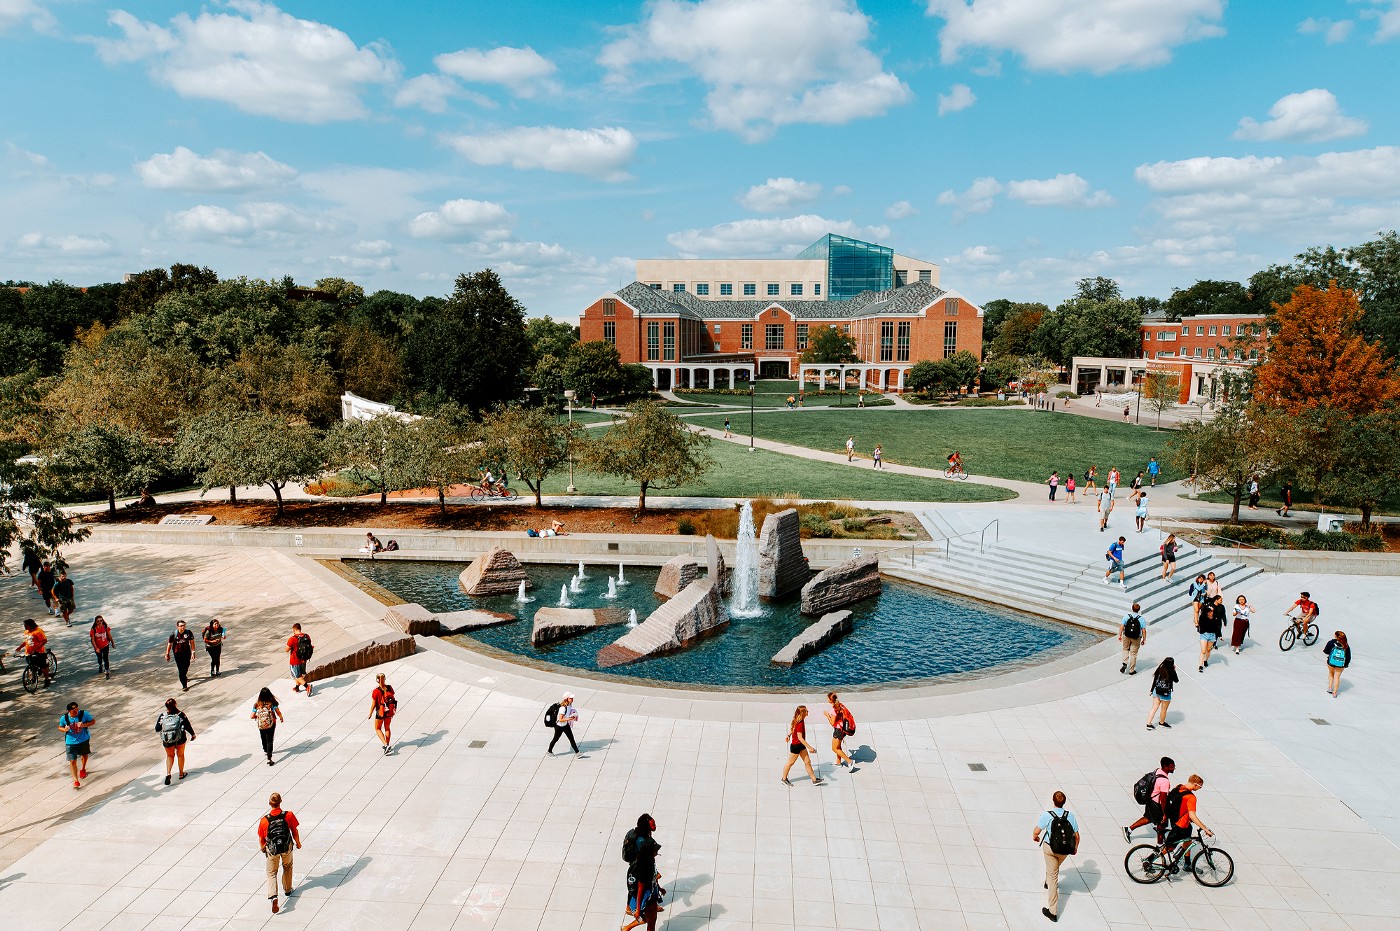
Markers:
(1151, 727)
(816, 782)
(1127, 835)
(308, 690)
(1105, 578)
(1205, 664)
(1122, 586)
(77, 784)
(167, 779)
(386, 750)
(1165, 724)
(107, 676)
(855, 768)
(1201, 668)
(1049, 914)
(82, 773)
(787, 783)
(296, 688)
(1132, 672)
(1123, 668)
(269, 761)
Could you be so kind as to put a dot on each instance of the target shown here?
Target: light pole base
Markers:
(571, 489)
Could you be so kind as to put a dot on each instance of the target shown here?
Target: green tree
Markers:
(1097, 290)
(827, 345)
(368, 362)
(1208, 297)
(528, 441)
(1227, 451)
(30, 521)
(994, 314)
(1162, 389)
(550, 337)
(962, 367)
(926, 376)
(447, 450)
(1367, 467)
(347, 293)
(1084, 327)
(651, 447)
(1017, 331)
(636, 381)
(288, 380)
(227, 448)
(106, 458)
(377, 452)
(593, 368)
(548, 375)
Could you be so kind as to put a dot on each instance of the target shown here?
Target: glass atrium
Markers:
(852, 266)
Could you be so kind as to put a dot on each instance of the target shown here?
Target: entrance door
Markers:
(778, 369)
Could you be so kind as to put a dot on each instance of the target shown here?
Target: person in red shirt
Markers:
(102, 640)
(277, 833)
(799, 747)
(382, 708)
(297, 663)
(1180, 828)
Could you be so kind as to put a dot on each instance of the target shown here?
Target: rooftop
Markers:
(909, 299)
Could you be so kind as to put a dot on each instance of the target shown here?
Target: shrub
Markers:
(1335, 542)
(853, 524)
(338, 486)
(1260, 535)
(685, 527)
(814, 525)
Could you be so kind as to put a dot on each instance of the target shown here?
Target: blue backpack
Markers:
(1338, 656)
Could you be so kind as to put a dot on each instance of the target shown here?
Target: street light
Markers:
(751, 446)
(569, 395)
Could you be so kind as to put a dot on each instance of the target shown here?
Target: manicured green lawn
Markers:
(1015, 444)
(773, 393)
(739, 473)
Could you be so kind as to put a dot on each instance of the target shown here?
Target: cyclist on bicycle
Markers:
(1180, 811)
(955, 463)
(36, 648)
(1307, 613)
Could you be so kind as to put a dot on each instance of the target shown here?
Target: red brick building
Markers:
(1233, 337)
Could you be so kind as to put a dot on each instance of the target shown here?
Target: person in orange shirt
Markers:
(1181, 811)
(36, 648)
(277, 832)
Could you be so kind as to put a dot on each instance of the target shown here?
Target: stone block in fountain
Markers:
(814, 639)
(459, 622)
(714, 564)
(692, 614)
(495, 572)
(553, 624)
(414, 619)
(676, 573)
(782, 567)
(843, 584)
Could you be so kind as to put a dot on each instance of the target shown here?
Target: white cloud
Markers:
(901, 210)
(767, 236)
(225, 170)
(373, 247)
(766, 64)
(959, 97)
(263, 222)
(24, 12)
(523, 70)
(976, 199)
(1387, 19)
(65, 245)
(256, 58)
(1333, 31)
(428, 91)
(462, 219)
(979, 255)
(362, 264)
(1060, 191)
(1310, 116)
(1076, 35)
(778, 194)
(600, 153)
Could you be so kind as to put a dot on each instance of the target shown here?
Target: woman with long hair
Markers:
(1168, 550)
(214, 636)
(842, 726)
(267, 713)
(1162, 681)
(100, 633)
(174, 729)
(799, 747)
(1242, 611)
(1338, 653)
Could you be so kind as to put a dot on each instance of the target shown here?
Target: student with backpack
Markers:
(1162, 681)
(644, 890)
(174, 729)
(1338, 653)
(267, 713)
(1057, 834)
(102, 641)
(843, 725)
(562, 716)
(299, 652)
(278, 832)
(76, 724)
(1132, 633)
(1180, 811)
(180, 646)
(1151, 793)
(383, 707)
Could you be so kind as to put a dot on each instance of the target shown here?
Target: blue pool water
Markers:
(910, 633)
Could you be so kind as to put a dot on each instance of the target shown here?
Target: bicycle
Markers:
(1148, 863)
(30, 677)
(1296, 631)
(955, 472)
(504, 492)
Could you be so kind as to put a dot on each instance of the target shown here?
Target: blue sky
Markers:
(1021, 144)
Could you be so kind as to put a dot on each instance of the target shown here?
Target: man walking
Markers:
(1115, 562)
(277, 832)
(299, 651)
(1152, 809)
(181, 647)
(850, 448)
(1057, 833)
(562, 716)
(1132, 633)
(76, 746)
(45, 580)
(1105, 507)
(63, 597)
(1153, 467)
(1114, 477)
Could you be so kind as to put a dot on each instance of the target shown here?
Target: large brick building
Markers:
(1198, 350)
(711, 339)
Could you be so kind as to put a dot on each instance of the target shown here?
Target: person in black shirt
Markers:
(181, 647)
(1212, 627)
(63, 597)
(644, 890)
(45, 580)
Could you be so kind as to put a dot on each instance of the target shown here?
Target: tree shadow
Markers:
(423, 740)
(863, 754)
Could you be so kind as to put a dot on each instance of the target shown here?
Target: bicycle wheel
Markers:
(1310, 636)
(962, 475)
(1145, 864)
(511, 494)
(1285, 639)
(1213, 867)
(947, 473)
(53, 665)
(30, 679)
(478, 494)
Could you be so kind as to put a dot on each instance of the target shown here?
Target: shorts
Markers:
(78, 751)
(796, 748)
(1162, 696)
(1166, 558)
(298, 670)
(1152, 811)
(838, 734)
(1208, 638)
(37, 662)
(1115, 565)
(66, 604)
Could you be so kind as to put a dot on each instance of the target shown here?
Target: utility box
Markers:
(1330, 523)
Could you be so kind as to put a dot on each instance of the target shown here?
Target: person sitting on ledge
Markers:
(556, 529)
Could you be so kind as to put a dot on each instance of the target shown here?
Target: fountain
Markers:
(575, 585)
(520, 595)
(632, 617)
(621, 580)
(563, 596)
(744, 602)
(612, 589)
(580, 570)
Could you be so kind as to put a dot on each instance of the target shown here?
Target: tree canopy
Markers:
(650, 446)
(828, 345)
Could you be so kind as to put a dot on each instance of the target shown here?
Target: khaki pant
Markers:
(272, 860)
(1130, 648)
(1052, 877)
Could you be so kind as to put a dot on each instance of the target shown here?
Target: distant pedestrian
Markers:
(1153, 467)
(299, 650)
(277, 834)
(35, 646)
(1091, 477)
(63, 597)
(562, 716)
(791, 403)
(1168, 551)
(174, 729)
(860, 399)
(727, 432)
(644, 890)
(214, 636)
(1057, 835)
(1135, 488)
(266, 712)
(45, 580)
(1254, 492)
(878, 455)
(100, 634)
(180, 647)
(1212, 627)
(1054, 483)
(1098, 397)
(1114, 477)
(32, 564)
(75, 725)
(1338, 653)
(1152, 809)
(1115, 562)
(1212, 586)
(593, 400)
(1242, 612)
(1164, 678)
(1105, 507)
(1127, 413)
(1286, 492)
(799, 747)
(383, 706)
(850, 448)
(1140, 515)
(1069, 489)
(843, 725)
(1196, 591)
(1132, 634)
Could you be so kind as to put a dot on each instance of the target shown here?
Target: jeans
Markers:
(103, 663)
(565, 731)
(182, 665)
(273, 859)
(267, 736)
(214, 650)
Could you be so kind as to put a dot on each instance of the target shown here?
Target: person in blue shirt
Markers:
(1115, 562)
(1152, 469)
(1043, 836)
(75, 724)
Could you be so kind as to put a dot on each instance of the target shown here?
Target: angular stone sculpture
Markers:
(676, 573)
(692, 614)
(814, 639)
(553, 624)
(714, 564)
(781, 566)
(364, 655)
(495, 572)
(842, 584)
(458, 622)
(412, 618)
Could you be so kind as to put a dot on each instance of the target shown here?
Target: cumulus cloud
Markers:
(428, 91)
(1333, 32)
(1387, 19)
(14, 13)
(959, 97)
(261, 222)
(225, 170)
(901, 210)
(1311, 116)
(767, 236)
(979, 255)
(600, 153)
(1060, 191)
(779, 194)
(84, 246)
(977, 198)
(462, 219)
(766, 64)
(1076, 35)
(256, 58)
(523, 71)
(373, 247)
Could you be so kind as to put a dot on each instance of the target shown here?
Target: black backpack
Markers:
(304, 648)
(279, 836)
(629, 846)
(551, 715)
(1142, 789)
(1171, 808)
(1132, 627)
(1061, 834)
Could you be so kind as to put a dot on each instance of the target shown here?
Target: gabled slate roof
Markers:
(909, 299)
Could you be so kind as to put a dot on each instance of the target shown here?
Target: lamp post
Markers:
(751, 446)
(569, 396)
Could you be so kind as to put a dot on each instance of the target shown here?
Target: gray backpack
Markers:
(172, 729)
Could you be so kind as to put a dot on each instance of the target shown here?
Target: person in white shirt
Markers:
(564, 720)
(850, 448)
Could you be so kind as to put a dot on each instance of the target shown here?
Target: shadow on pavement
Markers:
(863, 754)
(423, 740)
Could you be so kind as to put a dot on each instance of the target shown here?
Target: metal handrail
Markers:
(1240, 544)
(982, 540)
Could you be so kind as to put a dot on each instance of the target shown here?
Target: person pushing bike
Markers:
(1180, 812)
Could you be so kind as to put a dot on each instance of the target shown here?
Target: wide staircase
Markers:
(1064, 587)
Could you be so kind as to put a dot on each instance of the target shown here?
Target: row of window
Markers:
(1209, 354)
(901, 276)
(772, 289)
(661, 340)
(1244, 329)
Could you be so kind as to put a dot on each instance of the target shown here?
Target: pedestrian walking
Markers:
(1114, 476)
(1153, 467)
(727, 432)
(1091, 477)
(1286, 492)
(1115, 562)
(1127, 413)
(299, 650)
(1140, 515)
(1338, 653)
(1057, 835)
(174, 729)
(1254, 492)
(843, 725)
(1212, 628)
(850, 448)
(1054, 483)
(1105, 507)
(383, 706)
(1242, 611)
(1135, 488)
(1069, 489)
(267, 713)
(77, 746)
(1164, 678)
(180, 647)
(1132, 634)
(562, 716)
(278, 832)
(1168, 551)
(100, 634)
(31, 564)
(63, 597)
(1212, 587)
(45, 580)
(36, 647)
(799, 747)
(214, 636)
(1196, 591)
(878, 456)
(644, 889)
(1157, 785)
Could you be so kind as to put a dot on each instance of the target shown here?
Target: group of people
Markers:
(877, 455)
(54, 586)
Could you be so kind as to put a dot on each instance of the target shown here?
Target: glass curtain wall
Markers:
(852, 266)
